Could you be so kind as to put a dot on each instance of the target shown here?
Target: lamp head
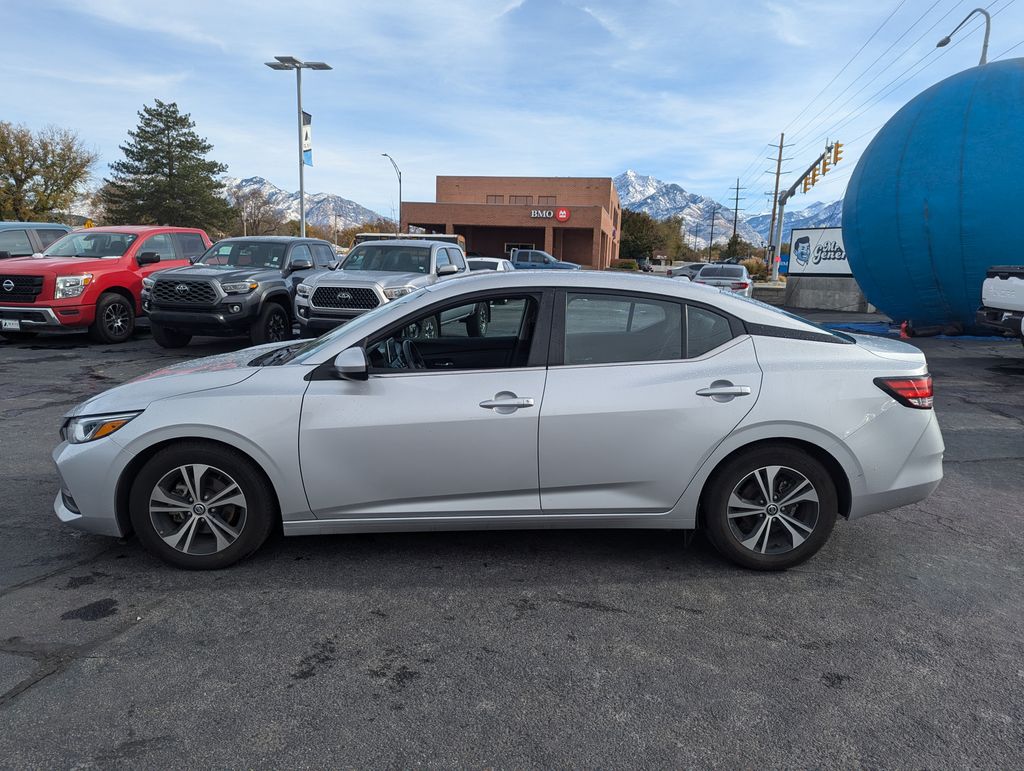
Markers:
(942, 43)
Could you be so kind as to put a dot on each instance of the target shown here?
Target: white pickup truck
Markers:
(1002, 300)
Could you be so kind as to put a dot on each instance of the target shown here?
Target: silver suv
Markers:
(377, 272)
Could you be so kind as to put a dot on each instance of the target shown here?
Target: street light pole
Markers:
(291, 63)
(988, 28)
(399, 173)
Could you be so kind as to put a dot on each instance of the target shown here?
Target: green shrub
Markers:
(624, 265)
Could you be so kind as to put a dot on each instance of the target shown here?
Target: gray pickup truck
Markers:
(377, 272)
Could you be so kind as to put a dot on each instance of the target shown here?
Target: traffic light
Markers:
(814, 176)
(826, 164)
(837, 153)
(807, 184)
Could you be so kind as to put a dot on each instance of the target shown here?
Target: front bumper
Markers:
(89, 475)
(1007, 322)
(32, 318)
(315, 321)
(220, 319)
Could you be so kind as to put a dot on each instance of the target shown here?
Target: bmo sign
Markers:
(561, 214)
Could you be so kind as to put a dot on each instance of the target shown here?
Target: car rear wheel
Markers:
(201, 506)
(115, 319)
(170, 338)
(271, 326)
(770, 508)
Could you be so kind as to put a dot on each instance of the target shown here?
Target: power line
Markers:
(1004, 53)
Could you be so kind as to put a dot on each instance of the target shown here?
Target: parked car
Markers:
(732, 423)
(1002, 300)
(735, 278)
(646, 266)
(23, 239)
(687, 269)
(90, 279)
(535, 259)
(240, 287)
(489, 263)
(377, 272)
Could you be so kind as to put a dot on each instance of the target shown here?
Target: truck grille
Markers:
(20, 289)
(345, 298)
(170, 292)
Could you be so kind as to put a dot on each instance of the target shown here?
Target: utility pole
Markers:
(775, 200)
(711, 238)
(785, 195)
(736, 208)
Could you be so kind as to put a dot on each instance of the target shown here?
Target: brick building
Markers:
(573, 218)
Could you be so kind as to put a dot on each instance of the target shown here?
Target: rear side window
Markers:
(47, 237)
(607, 329)
(190, 245)
(705, 331)
(16, 242)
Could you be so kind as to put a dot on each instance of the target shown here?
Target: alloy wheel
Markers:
(197, 509)
(115, 318)
(276, 328)
(773, 510)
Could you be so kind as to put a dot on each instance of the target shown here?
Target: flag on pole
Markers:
(307, 138)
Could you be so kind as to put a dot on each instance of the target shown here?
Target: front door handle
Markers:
(724, 391)
(506, 402)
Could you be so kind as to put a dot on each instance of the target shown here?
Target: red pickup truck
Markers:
(90, 279)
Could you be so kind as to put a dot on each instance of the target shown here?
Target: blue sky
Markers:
(689, 92)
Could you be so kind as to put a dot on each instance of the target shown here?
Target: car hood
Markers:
(61, 266)
(385, 278)
(224, 273)
(186, 377)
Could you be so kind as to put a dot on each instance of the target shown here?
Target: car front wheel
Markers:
(271, 326)
(770, 508)
(201, 506)
(115, 319)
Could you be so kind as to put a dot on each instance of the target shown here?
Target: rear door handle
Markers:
(724, 391)
(505, 402)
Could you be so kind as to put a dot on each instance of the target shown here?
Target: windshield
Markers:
(396, 258)
(91, 244)
(721, 272)
(244, 254)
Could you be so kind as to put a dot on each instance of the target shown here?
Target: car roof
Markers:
(136, 229)
(32, 225)
(408, 242)
(274, 239)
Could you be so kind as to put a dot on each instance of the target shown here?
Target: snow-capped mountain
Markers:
(639, 192)
(322, 209)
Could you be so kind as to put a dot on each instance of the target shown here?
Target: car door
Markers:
(640, 392)
(458, 439)
(294, 277)
(161, 244)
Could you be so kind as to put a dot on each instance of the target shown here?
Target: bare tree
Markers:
(41, 173)
(256, 214)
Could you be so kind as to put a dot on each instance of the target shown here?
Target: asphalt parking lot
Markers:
(900, 644)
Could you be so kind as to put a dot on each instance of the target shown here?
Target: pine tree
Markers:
(165, 177)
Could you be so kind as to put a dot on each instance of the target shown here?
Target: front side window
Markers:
(607, 328)
(489, 333)
(92, 245)
(323, 255)
(15, 242)
(455, 255)
(397, 258)
(301, 252)
(161, 244)
(442, 258)
(244, 254)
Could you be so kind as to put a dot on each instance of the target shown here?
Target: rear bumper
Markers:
(43, 317)
(1008, 322)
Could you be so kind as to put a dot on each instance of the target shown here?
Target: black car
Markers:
(241, 286)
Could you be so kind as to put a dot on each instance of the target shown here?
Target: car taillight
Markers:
(740, 284)
(913, 392)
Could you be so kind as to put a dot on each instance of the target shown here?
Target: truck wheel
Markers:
(476, 325)
(429, 327)
(271, 326)
(169, 338)
(115, 319)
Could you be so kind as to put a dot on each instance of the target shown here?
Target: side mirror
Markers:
(351, 364)
(447, 270)
(4, 255)
(147, 258)
(194, 259)
(334, 265)
(300, 263)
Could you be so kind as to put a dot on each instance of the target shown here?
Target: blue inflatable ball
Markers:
(936, 197)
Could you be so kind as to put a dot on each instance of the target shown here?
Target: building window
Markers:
(495, 199)
(524, 200)
(546, 200)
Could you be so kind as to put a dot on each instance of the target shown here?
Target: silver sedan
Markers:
(593, 400)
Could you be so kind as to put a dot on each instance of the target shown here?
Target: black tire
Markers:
(773, 535)
(169, 338)
(18, 337)
(115, 319)
(476, 325)
(272, 325)
(254, 523)
(430, 327)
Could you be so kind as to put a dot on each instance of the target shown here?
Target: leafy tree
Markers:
(165, 177)
(737, 247)
(641, 235)
(41, 173)
(294, 228)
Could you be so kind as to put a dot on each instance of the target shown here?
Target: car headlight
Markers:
(86, 429)
(304, 290)
(71, 286)
(239, 287)
(394, 292)
(147, 282)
